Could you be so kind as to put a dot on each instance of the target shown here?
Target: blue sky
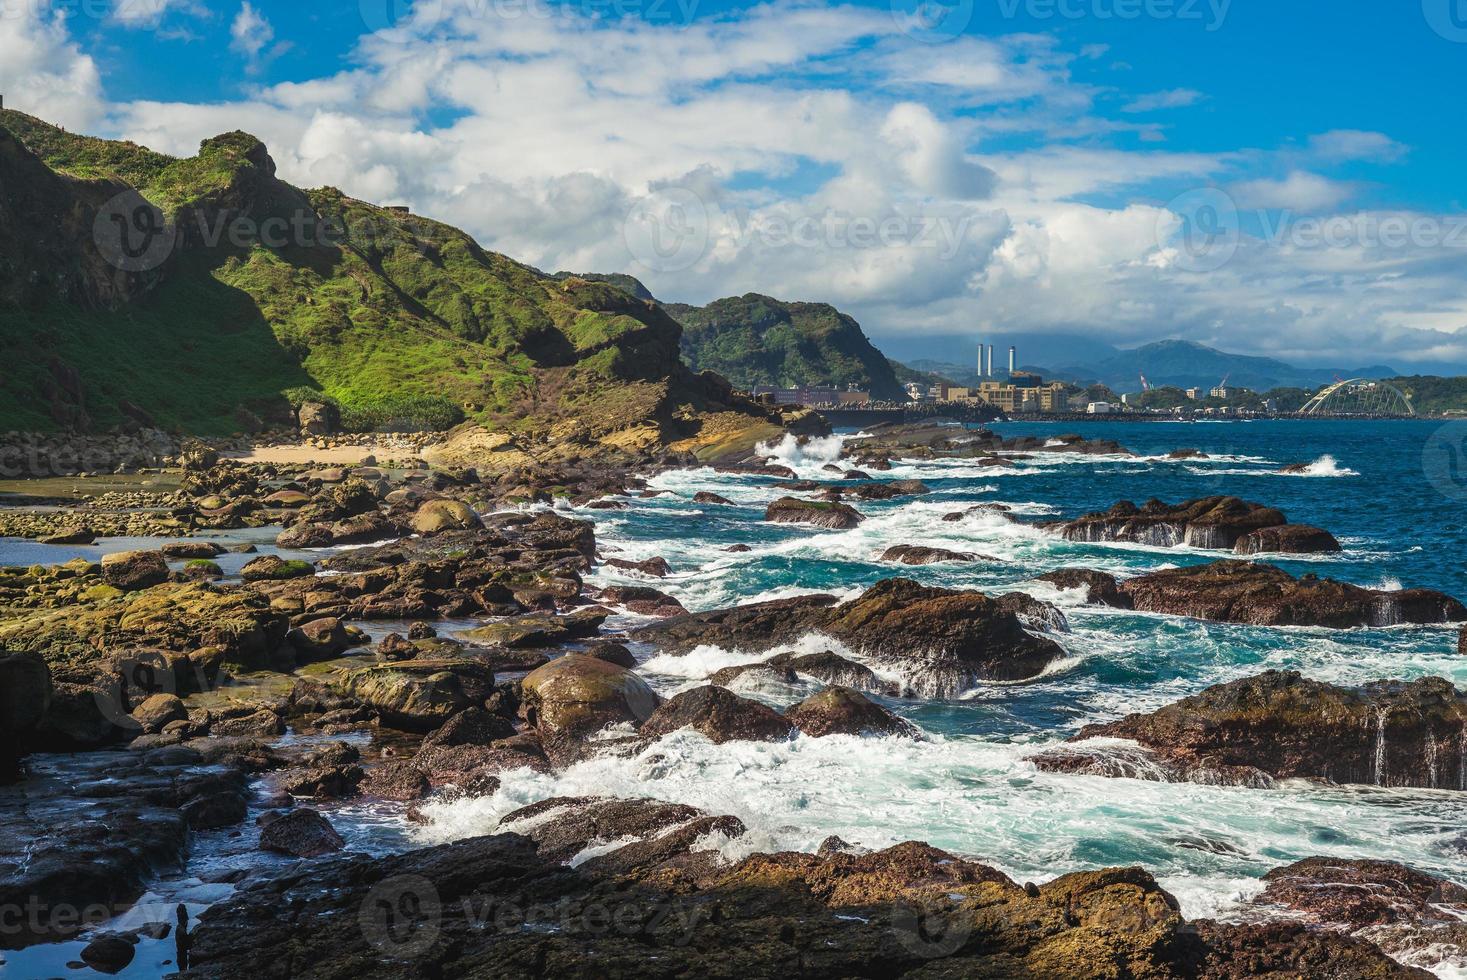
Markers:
(1037, 165)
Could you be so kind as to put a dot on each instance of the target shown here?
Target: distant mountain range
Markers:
(1181, 363)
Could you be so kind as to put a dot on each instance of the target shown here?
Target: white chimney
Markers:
(1013, 359)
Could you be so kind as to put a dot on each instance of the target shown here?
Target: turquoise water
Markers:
(969, 786)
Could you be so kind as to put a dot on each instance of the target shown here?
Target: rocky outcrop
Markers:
(1234, 591)
(1211, 522)
(942, 641)
(1279, 725)
(655, 906)
(792, 510)
(842, 711)
(719, 715)
(25, 697)
(1297, 539)
(1100, 589)
(133, 570)
(434, 516)
(301, 833)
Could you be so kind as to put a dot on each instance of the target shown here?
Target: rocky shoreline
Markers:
(188, 695)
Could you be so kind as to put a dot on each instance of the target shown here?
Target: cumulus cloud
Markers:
(1298, 191)
(251, 35)
(1354, 144)
(42, 71)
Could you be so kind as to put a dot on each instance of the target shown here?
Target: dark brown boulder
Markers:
(756, 627)
(720, 715)
(915, 554)
(133, 570)
(707, 497)
(578, 695)
(301, 833)
(1233, 591)
(656, 566)
(1360, 893)
(831, 668)
(1300, 539)
(842, 711)
(1100, 589)
(1279, 725)
(320, 639)
(791, 510)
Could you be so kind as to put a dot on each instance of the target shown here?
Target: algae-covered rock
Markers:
(576, 694)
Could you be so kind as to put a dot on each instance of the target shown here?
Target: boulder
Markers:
(1233, 591)
(419, 694)
(182, 550)
(434, 516)
(831, 668)
(1299, 539)
(720, 715)
(69, 535)
(612, 653)
(578, 695)
(539, 629)
(159, 710)
(707, 497)
(301, 833)
(791, 510)
(25, 696)
(1280, 725)
(320, 639)
(842, 711)
(273, 568)
(1100, 588)
(915, 554)
(133, 570)
(318, 418)
(655, 566)
(1356, 894)
(109, 953)
(642, 600)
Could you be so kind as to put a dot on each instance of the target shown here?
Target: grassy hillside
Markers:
(754, 339)
(1432, 395)
(396, 317)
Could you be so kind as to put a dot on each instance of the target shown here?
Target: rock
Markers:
(753, 675)
(109, 953)
(337, 782)
(642, 600)
(706, 497)
(657, 567)
(907, 911)
(842, 711)
(1287, 539)
(832, 669)
(158, 711)
(133, 570)
(72, 535)
(1209, 522)
(738, 549)
(260, 723)
(320, 639)
(1280, 725)
(540, 630)
(25, 697)
(273, 568)
(790, 510)
(318, 418)
(473, 726)
(301, 833)
(1233, 591)
(720, 715)
(419, 694)
(612, 653)
(1356, 893)
(181, 550)
(81, 717)
(913, 554)
(1100, 589)
(400, 781)
(579, 695)
(1186, 454)
(943, 641)
(434, 516)
(287, 498)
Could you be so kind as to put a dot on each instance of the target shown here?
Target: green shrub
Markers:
(402, 413)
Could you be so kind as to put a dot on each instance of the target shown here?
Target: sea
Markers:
(1388, 490)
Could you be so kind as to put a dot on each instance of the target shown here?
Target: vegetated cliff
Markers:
(758, 340)
(206, 294)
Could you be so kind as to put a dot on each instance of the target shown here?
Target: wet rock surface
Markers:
(1279, 725)
(828, 514)
(719, 715)
(1210, 522)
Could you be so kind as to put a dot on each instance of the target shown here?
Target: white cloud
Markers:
(1354, 144)
(42, 71)
(1299, 191)
(250, 34)
(149, 13)
(1176, 98)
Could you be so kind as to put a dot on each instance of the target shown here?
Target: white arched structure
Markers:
(1359, 396)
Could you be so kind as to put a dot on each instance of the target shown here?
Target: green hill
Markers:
(757, 340)
(271, 294)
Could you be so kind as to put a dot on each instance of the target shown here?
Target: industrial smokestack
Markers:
(988, 367)
(1013, 359)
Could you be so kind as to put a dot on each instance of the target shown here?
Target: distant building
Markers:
(1098, 408)
(1193, 393)
(915, 392)
(1130, 398)
(1221, 391)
